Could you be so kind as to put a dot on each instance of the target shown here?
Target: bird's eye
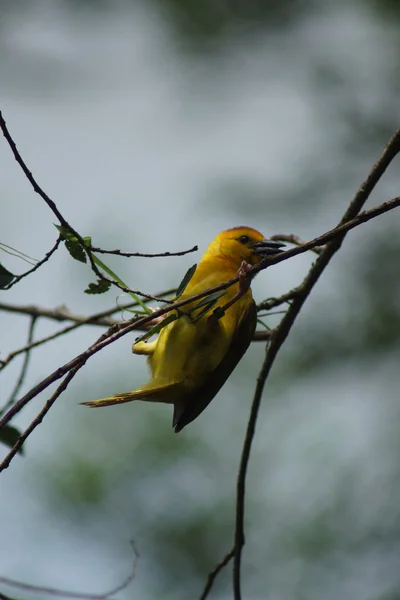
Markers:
(244, 239)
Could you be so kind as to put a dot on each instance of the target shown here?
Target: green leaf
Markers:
(5, 277)
(65, 233)
(157, 328)
(211, 298)
(9, 436)
(100, 287)
(208, 302)
(203, 312)
(183, 284)
(76, 250)
(136, 298)
(73, 245)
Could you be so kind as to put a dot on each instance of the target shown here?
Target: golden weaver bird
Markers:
(194, 355)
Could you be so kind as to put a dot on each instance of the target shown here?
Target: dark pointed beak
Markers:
(268, 247)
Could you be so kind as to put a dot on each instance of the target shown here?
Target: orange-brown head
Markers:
(241, 244)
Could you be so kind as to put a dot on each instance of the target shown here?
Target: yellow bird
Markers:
(194, 355)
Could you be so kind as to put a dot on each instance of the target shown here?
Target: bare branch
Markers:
(37, 265)
(291, 238)
(36, 187)
(143, 255)
(213, 574)
(39, 417)
(337, 232)
(24, 368)
(274, 302)
(63, 314)
(28, 347)
(283, 329)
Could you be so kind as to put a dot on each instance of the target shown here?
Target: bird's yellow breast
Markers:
(188, 351)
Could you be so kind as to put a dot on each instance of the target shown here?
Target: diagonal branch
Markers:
(24, 368)
(213, 574)
(36, 187)
(280, 334)
(40, 416)
(338, 232)
(46, 257)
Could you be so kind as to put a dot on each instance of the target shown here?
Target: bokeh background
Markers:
(154, 125)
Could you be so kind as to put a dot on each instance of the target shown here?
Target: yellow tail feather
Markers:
(148, 393)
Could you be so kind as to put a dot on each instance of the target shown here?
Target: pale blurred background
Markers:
(154, 125)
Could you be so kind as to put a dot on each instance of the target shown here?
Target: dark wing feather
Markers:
(191, 406)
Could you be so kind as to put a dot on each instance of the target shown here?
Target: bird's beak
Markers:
(267, 247)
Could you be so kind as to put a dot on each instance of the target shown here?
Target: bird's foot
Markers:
(244, 285)
(244, 277)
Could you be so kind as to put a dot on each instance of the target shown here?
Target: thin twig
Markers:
(37, 265)
(40, 416)
(142, 254)
(213, 574)
(281, 332)
(36, 187)
(336, 232)
(28, 347)
(62, 313)
(291, 238)
(76, 595)
(24, 368)
(273, 302)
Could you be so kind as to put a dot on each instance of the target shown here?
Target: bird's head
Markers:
(243, 244)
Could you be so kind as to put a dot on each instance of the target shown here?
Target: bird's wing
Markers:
(197, 400)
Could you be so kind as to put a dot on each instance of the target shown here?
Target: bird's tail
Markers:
(150, 392)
